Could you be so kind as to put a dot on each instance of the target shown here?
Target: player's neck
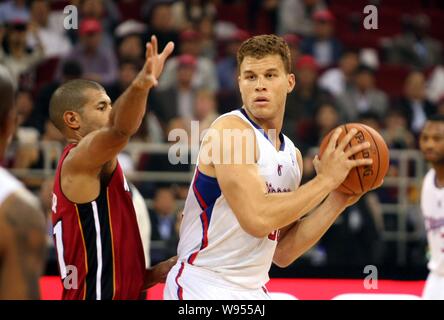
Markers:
(439, 175)
(268, 124)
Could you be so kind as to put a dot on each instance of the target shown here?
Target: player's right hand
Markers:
(336, 163)
(154, 63)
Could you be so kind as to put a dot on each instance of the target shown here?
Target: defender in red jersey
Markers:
(96, 235)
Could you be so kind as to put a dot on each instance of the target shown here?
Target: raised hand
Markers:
(154, 63)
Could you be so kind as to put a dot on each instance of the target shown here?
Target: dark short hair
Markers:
(436, 117)
(70, 97)
(72, 68)
(260, 46)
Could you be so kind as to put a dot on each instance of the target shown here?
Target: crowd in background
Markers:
(391, 78)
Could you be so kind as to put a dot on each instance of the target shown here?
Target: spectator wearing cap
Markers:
(295, 16)
(227, 66)
(177, 100)
(204, 78)
(129, 41)
(18, 59)
(363, 96)
(323, 45)
(305, 98)
(54, 43)
(336, 80)
(14, 10)
(98, 62)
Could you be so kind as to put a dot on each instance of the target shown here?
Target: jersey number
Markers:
(58, 232)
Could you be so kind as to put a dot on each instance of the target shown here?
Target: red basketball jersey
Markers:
(98, 244)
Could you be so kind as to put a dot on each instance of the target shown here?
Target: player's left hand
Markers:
(349, 200)
(159, 272)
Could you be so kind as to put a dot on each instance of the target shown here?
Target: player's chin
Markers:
(261, 110)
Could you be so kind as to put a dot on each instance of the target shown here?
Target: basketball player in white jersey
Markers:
(22, 223)
(240, 217)
(431, 142)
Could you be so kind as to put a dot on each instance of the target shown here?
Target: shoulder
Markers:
(9, 184)
(429, 178)
(230, 121)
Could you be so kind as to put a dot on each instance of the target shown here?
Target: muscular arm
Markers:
(258, 212)
(22, 247)
(101, 146)
(303, 234)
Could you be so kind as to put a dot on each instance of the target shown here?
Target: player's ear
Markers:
(71, 120)
(291, 82)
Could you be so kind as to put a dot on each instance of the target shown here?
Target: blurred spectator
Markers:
(129, 42)
(295, 16)
(362, 96)
(178, 99)
(190, 12)
(336, 80)
(30, 154)
(104, 11)
(98, 61)
(163, 221)
(435, 84)
(415, 47)
(414, 103)
(17, 58)
(160, 21)
(163, 215)
(293, 42)
(206, 28)
(14, 10)
(440, 106)
(70, 70)
(323, 45)
(54, 43)
(128, 70)
(355, 237)
(371, 119)
(396, 133)
(326, 118)
(227, 66)
(204, 77)
(130, 9)
(306, 97)
(205, 109)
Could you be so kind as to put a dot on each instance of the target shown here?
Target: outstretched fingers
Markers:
(357, 148)
(334, 139)
(360, 162)
(347, 138)
(167, 50)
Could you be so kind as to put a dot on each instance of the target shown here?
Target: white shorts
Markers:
(187, 282)
(434, 287)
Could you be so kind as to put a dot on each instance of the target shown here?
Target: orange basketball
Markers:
(363, 178)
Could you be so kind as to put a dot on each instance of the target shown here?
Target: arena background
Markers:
(390, 78)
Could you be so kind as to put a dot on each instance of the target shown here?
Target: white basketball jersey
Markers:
(211, 236)
(432, 205)
(8, 185)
